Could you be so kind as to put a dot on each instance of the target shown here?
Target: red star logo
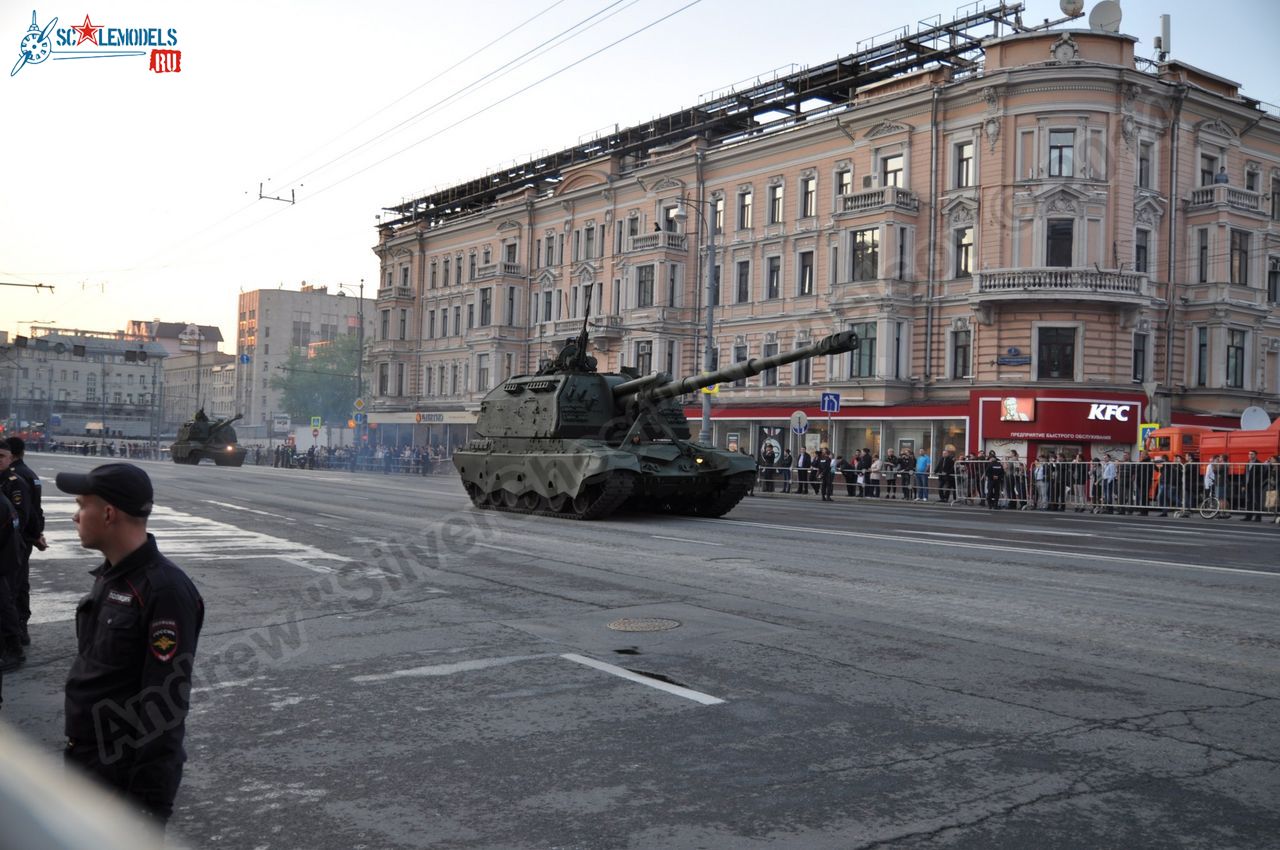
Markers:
(87, 31)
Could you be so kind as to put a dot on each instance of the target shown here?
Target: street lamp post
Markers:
(708, 353)
(360, 353)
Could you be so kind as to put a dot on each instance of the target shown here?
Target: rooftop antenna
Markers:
(1162, 40)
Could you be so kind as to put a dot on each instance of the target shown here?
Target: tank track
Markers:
(608, 496)
(735, 489)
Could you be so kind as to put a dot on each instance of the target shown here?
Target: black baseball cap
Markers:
(120, 484)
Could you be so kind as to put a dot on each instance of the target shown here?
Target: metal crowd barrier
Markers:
(1166, 488)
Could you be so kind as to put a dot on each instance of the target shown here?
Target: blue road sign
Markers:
(244, 358)
(830, 403)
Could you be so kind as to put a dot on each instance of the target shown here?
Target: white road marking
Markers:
(943, 534)
(449, 669)
(55, 606)
(248, 510)
(993, 547)
(687, 693)
(686, 540)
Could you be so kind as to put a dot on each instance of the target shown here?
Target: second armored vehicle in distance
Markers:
(200, 438)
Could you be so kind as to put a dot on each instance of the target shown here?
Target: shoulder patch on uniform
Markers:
(163, 639)
(121, 598)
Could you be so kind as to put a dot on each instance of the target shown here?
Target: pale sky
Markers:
(135, 193)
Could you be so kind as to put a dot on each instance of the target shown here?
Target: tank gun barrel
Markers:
(222, 423)
(837, 343)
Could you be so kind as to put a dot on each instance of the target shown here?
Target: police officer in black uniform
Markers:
(128, 691)
(15, 490)
(32, 534)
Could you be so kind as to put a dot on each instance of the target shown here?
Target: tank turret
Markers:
(199, 438)
(571, 441)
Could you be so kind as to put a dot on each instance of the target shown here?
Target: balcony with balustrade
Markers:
(1109, 286)
(878, 200)
(389, 295)
(662, 241)
(500, 272)
(1223, 196)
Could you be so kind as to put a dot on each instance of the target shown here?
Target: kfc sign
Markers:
(1110, 412)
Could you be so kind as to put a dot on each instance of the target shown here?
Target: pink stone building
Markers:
(1036, 216)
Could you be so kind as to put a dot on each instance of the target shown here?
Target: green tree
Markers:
(323, 385)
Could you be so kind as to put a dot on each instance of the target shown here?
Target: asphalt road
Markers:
(384, 666)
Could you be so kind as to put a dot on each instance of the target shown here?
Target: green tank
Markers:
(570, 441)
(200, 438)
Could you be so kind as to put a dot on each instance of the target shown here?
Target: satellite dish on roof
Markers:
(1071, 8)
(1105, 17)
(1254, 419)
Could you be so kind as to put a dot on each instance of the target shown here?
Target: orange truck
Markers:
(1177, 440)
(1236, 445)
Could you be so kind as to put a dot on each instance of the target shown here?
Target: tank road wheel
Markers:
(477, 495)
(510, 500)
(556, 504)
(529, 501)
(723, 500)
(599, 500)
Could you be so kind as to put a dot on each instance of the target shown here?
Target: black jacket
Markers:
(129, 687)
(35, 513)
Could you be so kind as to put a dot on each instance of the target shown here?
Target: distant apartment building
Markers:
(1039, 216)
(177, 338)
(72, 384)
(193, 381)
(275, 322)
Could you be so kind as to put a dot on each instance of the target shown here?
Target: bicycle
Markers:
(1209, 506)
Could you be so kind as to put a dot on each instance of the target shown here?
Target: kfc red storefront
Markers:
(1059, 420)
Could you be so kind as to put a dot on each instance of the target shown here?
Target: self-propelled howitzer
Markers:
(571, 441)
(200, 438)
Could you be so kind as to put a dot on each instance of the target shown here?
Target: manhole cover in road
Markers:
(643, 624)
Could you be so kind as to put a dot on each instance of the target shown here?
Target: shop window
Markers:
(862, 362)
(1056, 349)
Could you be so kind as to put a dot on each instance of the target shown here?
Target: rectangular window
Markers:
(865, 254)
(964, 165)
(808, 197)
(434, 270)
(1251, 180)
(586, 298)
(446, 272)
(471, 316)
(1062, 145)
(510, 310)
(1202, 255)
(509, 251)
(744, 211)
(404, 324)
(453, 379)
(644, 286)
(399, 379)
(804, 274)
(1057, 354)
(1208, 169)
(964, 252)
(672, 366)
(1059, 243)
(1145, 150)
(961, 342)
(385, 327)
(577, 245)
(740, 356)
(670, 223)
(744, 282)
(457, 320)
(769, 377)
(1202, 357)
(550, 256)
(457, 271)
(486, 307)
(546, 306)
(862, 362)
(431, 324)
(802, 373)
(1141, 251)
(644, 357)
(384, 378)
(773, 277)
(444, 322)
(471, 267)
(1235, 358)
(844, 182)
(891, 171)
(673, 284)
(717, 216)
(589, 243)
(715, 287)
(482, 372)
(1240, 257)
(1275, 199)
(1140, 343)
(775, 204)
(1273, 280)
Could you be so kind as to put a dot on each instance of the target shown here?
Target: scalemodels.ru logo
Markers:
(79, 42)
